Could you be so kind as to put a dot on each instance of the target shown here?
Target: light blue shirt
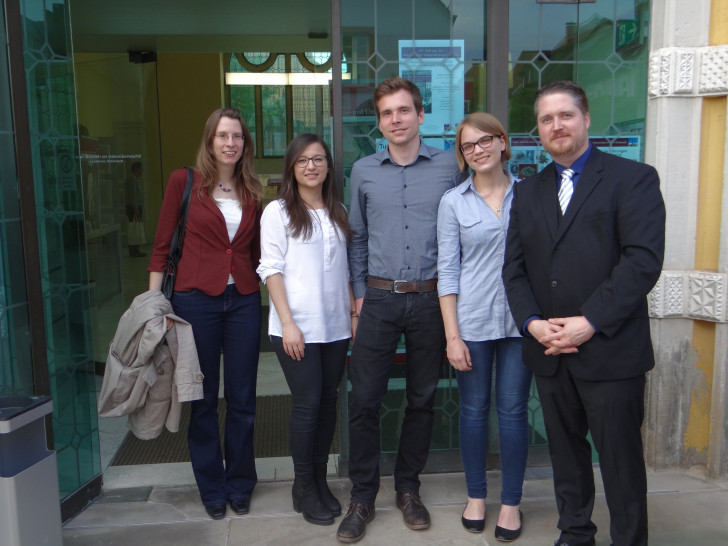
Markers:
(471, 243)
(393, 215)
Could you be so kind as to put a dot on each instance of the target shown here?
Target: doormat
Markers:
(272, 419)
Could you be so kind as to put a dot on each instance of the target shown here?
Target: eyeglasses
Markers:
(318, 161)
(223, 137)
(484, 142)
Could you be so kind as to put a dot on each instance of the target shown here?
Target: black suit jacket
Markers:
(600, 260)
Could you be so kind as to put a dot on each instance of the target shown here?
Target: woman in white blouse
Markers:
(304, 265)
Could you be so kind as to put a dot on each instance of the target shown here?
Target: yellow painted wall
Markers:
(699, 433)
(190, 88)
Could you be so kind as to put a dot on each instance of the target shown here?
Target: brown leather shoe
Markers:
(354, 524)
(414, 513)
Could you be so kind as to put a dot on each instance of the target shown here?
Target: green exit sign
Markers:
(627, 32)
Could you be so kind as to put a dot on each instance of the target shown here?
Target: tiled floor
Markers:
(684, 510)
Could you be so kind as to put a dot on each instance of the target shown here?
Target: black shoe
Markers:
(473, 525)
(216, 511)
(240, 507)
(509, 535)
(306, 500)
(327, 497)
(414, 513)
(354, 524)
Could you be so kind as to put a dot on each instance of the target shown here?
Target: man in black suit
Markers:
(577, 283)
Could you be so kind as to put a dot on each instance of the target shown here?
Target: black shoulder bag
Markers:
(175, 247)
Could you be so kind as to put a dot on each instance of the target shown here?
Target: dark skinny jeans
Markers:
(313, 381)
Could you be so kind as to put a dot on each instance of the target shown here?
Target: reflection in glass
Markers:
(601, 45)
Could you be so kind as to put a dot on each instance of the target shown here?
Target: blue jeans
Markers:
(229, 323)
(384, 318)
(314, 381)
(512, 386)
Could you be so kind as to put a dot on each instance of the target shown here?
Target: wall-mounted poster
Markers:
(437, 67)
(528, 156)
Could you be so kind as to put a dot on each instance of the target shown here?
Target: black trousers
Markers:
(385, 317)
(313, 381)
(613, 411)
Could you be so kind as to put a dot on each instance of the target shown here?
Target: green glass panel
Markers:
(274, 120)
(630, 106)
(16, 374)
(242, 97)
(62, 241)
(597, 81)
(526, 78)
(595, 32)
(602, 45)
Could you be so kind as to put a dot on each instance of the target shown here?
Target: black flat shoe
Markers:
(216, 511)
(472, 525)
(240, 507)
(509, 535)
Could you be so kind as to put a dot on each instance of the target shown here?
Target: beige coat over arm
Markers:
(151, 368)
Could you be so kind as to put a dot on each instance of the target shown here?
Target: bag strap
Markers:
(175, 247)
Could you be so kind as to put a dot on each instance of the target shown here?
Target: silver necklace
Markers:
(226, 190)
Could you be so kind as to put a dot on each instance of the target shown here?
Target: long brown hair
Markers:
(246, 181)
(301, 223)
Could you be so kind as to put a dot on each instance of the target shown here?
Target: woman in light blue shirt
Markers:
(471, 234)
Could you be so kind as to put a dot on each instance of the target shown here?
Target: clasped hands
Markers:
(561, 335)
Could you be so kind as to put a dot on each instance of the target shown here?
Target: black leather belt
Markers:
(403, 287)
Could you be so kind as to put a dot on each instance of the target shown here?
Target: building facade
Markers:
(93, 89)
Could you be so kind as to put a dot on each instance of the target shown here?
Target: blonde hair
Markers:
(484, 122)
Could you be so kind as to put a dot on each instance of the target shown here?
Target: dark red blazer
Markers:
(208, 256)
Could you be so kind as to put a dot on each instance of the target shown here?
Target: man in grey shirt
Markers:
(393, 262)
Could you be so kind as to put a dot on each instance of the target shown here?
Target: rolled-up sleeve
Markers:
(273, 241)
(448, 247)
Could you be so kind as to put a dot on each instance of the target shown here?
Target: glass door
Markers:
(441, 47)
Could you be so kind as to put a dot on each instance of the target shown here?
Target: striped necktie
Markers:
(566, 189)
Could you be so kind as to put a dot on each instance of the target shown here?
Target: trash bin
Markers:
(30, 509)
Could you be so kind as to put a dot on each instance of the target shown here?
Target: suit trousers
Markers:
(384, 318)
(229, 322)
(613, 411)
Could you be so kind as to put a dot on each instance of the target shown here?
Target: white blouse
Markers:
(315, 274)
(233, 214)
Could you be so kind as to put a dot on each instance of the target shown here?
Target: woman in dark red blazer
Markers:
(217, 292)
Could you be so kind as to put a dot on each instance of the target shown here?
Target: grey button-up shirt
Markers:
(393, 215)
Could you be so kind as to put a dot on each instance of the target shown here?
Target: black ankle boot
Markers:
(327, 497)
(306, 500)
